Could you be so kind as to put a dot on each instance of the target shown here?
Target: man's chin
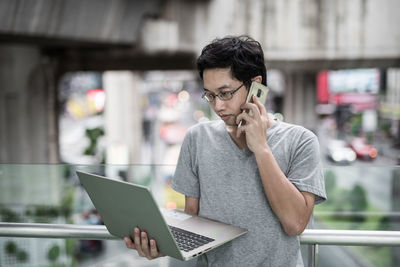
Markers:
(230, 123)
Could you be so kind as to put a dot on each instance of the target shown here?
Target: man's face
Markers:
(217, 81)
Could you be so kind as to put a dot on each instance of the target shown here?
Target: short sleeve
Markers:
(306, 171)
(185, 179)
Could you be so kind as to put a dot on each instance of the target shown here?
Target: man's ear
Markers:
(257, 79)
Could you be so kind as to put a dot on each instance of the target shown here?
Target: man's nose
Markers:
(219, 104)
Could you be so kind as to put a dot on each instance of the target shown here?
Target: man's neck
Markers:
(239, 141)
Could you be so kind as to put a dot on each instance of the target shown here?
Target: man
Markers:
(264, 176)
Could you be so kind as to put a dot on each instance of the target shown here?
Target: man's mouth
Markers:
(224, 117)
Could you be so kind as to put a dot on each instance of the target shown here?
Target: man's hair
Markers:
(242, 54)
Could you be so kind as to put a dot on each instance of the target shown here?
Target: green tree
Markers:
(53, 253)
(330, 181)
(93, 135)
(11, 248)
(358, 199)
(22, 256)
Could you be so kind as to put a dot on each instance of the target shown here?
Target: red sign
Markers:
(323, 87)
(359, 101)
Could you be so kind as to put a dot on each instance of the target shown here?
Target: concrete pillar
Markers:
(300, 99)
(28, 132)
(123, 117)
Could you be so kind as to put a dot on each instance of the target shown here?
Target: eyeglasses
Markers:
(224, 96)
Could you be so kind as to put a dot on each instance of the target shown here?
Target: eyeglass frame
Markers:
(229, 93)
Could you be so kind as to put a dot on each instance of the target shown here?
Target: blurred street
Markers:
(111, 87)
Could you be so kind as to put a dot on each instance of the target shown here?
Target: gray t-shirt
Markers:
(226, 179)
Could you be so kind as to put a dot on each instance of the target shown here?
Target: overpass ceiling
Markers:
(133, 58)
(74, 22)
(104, 34)
(119, 58)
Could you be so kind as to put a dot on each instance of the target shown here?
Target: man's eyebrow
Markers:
(219, 88)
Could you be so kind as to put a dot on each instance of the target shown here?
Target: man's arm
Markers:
(191, 205)
(292, 207)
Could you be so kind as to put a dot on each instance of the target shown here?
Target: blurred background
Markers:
(111, 87)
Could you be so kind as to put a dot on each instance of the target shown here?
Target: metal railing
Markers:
(312, 237)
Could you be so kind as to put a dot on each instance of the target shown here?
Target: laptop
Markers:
(123, 206)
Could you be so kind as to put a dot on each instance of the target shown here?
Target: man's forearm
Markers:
(292, 207)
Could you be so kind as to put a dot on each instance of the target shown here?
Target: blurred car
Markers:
(362, 149)
(339, 152)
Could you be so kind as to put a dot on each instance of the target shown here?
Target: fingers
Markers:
(257, 111)
(138, 242)
(253, 107)
(129, 243)
(153, 249)
(154, 253)
(250, 107)
(242, 119)
(246, 120)
(260, 106)
(239, 131)
(141, 244)
(145, 245)
(263, 111)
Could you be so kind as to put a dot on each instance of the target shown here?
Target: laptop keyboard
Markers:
(188, 241)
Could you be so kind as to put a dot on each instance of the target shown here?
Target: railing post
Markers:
(310, 255)
(315, 252)
(313, 255)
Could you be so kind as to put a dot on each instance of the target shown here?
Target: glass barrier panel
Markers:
(359, 198)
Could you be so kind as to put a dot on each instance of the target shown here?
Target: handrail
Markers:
(309, 236)
(350, 237)
(64, 231)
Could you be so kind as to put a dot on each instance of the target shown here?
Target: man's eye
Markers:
(210, 95)
(224, 94)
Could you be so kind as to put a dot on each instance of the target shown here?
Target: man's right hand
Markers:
(141, 244)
